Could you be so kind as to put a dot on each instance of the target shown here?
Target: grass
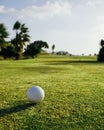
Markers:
(74, 94)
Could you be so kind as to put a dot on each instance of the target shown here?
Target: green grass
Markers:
(74, 94)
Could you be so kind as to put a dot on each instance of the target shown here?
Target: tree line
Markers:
(14, 48)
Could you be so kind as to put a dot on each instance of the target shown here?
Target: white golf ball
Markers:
(35, 94)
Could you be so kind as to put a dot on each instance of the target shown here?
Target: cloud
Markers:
(4, 10)
(75, 25)
(100, 18)
(47, 10)
(1, 8)
(99, 30)
(93, 3)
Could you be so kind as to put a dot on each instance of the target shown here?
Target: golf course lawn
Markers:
(74, 93)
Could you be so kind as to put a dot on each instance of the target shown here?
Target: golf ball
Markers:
(35, 94)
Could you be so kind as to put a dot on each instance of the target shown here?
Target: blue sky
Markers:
(76, 26)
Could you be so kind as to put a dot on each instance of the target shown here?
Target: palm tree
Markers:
(21, 38)
(53, 47)
(3, 35)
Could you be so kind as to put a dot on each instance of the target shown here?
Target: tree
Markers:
(35, 48)
(53, 47)
(20, 39)
(102, 43)
(3, 35)
(101, 52)
(8, 51)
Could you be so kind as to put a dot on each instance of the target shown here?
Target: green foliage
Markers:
(35, 48)
(20, 39)
(101, 52)
(102, 42)
(15, 47)
(101, 55)
(3, 34)
(74, 94)
(17, 25)
(8, 51)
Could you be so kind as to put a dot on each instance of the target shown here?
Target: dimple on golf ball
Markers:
(35, 94)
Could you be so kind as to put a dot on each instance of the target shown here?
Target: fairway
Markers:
(74, 93)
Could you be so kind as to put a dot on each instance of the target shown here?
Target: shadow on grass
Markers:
(10, 110)
(42, 69)
(73, 62)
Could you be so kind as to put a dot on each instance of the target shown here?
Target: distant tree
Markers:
(3, 35)
(53, 47)
(62, 53)
(20, 39)
(35, 48)
(95, 54)
(101, 52)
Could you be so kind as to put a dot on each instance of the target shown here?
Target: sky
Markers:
(76, 26)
